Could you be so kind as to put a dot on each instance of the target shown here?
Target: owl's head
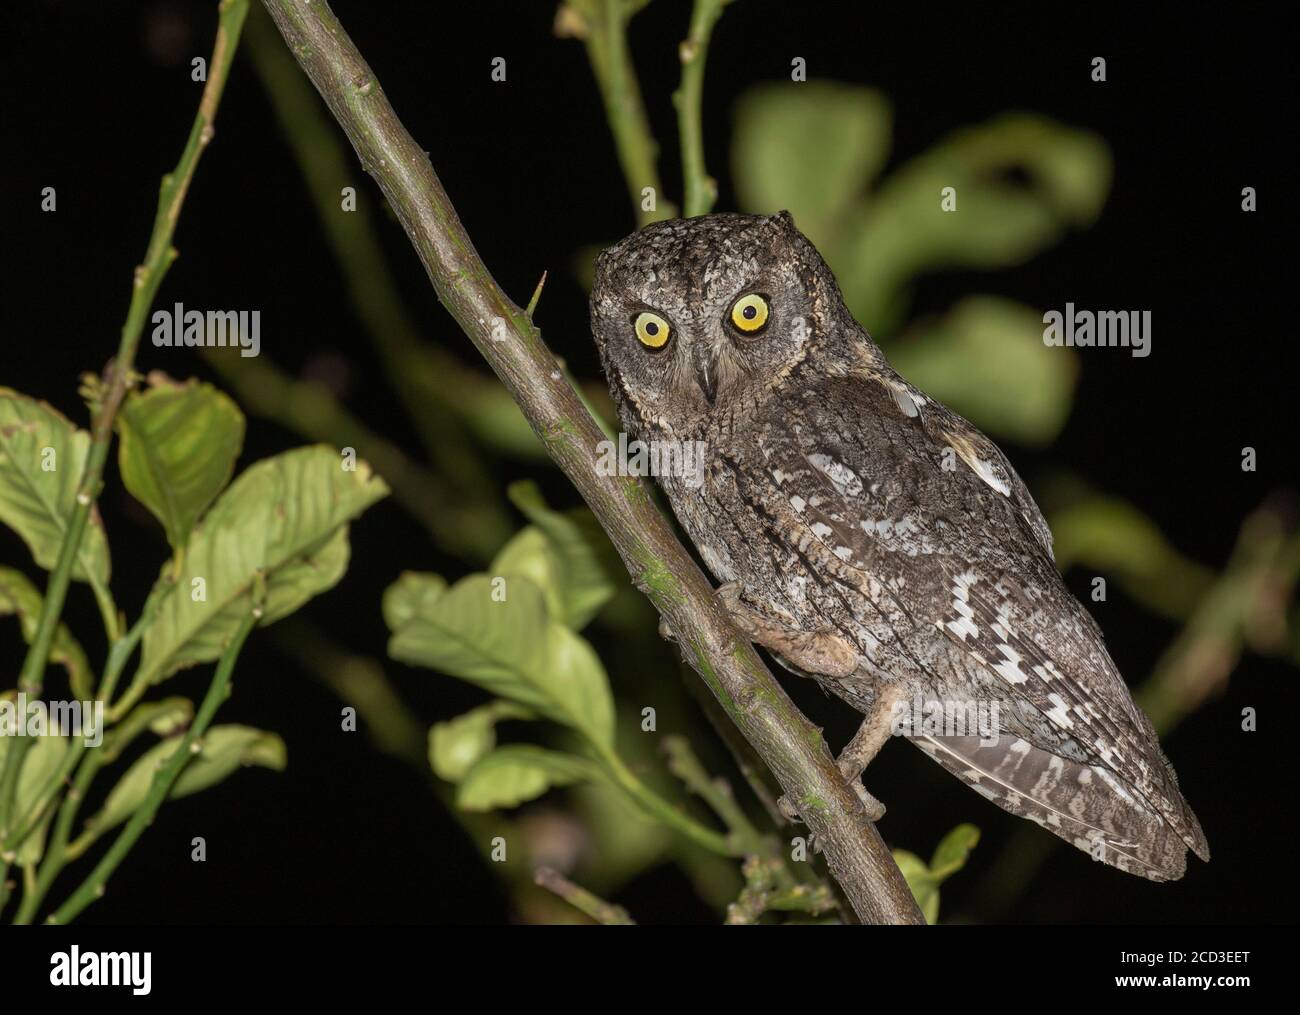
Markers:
(695, 316)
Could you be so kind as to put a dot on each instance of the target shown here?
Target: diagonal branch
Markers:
(788, 743)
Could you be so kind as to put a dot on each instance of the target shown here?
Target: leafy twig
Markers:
(790, 745)
(148, 276)
(683, 763)
(780, 887)
(87, 762)
(763, 892)
(115, 743)
(659, 808)
(93, 887)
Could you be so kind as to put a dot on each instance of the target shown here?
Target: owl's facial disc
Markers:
(693, 315)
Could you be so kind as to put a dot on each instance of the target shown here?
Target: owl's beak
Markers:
(706, 373)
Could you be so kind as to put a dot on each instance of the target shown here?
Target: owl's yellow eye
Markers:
(749, 313)
(651, 329)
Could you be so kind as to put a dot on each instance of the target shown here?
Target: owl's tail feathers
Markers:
(1177, 811)
(1083, 804)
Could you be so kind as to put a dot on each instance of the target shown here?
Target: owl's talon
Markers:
(788, 810)
(874, 808)
(729, 596)
(792, 815)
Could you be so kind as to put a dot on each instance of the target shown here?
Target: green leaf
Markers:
(949, 857)
(986, 360)
(171, 717)
(811, 148)
(917, 876)
(517, 773)
(511, 648)
(40, 763)
(495, 419)
(37, 503)
(583, 584)
(528, 554)
(178, 449)
(997, 222)
(20, 597)
(412, 593)
(285, 518)
(1111, 534)
(455, 745)
(951, 853)
(224, 749)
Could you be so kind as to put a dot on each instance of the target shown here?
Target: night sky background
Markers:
(97, 101)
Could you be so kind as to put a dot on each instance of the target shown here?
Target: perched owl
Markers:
(872, 539)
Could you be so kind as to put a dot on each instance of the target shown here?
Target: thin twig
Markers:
(579, 898)
(701, 189)
(744, 835)
(789, 744)
(742, 752)
(602, 26)
(661, 810)
(93, 887)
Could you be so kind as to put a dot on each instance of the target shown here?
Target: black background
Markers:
(97, 101)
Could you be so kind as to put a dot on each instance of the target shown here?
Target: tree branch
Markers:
(789, 744)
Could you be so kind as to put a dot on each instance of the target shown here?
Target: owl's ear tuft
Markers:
(784, 218)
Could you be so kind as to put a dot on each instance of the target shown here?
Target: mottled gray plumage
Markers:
(878, 542)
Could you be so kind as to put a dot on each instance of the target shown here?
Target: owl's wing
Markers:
(920, 511)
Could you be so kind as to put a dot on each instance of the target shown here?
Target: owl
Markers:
(872, 539)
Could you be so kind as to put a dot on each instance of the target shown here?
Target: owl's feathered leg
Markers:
(872, 735)
(821, 651)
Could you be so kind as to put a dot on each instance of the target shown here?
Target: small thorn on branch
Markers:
(537, 295)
